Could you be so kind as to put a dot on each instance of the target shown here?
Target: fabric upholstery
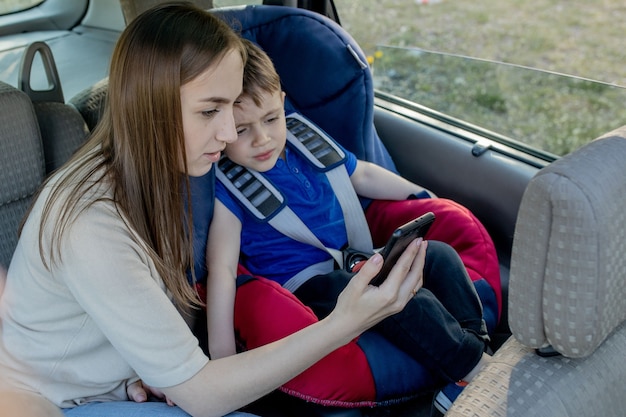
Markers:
(369, 371)
(568, 270)
(90, 102)
(260, 305)
(21, 164)
(520, 383)
(63, 130)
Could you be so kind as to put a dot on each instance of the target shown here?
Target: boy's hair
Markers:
(259, 74)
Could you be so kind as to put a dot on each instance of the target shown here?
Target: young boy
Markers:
(441, 327)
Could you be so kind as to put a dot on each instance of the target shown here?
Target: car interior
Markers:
(559, 227)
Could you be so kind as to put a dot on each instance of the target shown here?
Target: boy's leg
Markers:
(447, 279)
(320, 293)
(441, 328)
(444, 276)
(444, 331)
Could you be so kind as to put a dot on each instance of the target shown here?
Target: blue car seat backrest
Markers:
(21, 164)
(323, 71)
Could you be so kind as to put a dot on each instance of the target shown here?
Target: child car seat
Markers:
(328, 81)
(326, 78)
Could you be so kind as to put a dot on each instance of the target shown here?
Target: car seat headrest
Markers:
(54, 92)
(62, 128)
(568, 271)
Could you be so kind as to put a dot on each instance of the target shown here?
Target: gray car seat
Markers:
(21, 164)
(567, 295)
(38, 133)
(62, 127)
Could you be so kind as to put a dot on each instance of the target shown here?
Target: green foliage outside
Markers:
(551, 112)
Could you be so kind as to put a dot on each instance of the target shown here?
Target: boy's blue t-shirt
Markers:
(269, 253)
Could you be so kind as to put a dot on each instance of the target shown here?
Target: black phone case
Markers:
(398, 242)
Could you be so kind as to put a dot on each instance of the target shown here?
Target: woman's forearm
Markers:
(229, 383)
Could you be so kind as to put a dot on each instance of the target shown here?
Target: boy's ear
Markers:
(282, 96)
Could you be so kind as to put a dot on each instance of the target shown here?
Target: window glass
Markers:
(228, 3)
(11, 6)
(419, 50)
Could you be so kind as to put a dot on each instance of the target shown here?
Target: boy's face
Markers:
(261, 132)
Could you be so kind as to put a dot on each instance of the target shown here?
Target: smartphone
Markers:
(399, 241)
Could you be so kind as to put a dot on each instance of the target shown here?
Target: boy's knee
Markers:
(440, 251)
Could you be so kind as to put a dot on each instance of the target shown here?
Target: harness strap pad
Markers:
(311, 142)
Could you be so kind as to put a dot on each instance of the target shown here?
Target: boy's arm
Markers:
(222, 258)
(373, 181)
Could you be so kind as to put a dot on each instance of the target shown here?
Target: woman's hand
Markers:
(139, 393)
(367, 304)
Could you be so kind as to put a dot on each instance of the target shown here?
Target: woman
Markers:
(98, 278)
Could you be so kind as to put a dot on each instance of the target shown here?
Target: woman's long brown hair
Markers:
(138, 145)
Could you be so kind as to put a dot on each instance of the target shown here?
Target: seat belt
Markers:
(265, 202)
(327, 156)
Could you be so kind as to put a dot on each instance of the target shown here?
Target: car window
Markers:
(11, 6)
(228, 3)
(500, 66)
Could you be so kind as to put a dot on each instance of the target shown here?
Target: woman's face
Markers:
(207, 111)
